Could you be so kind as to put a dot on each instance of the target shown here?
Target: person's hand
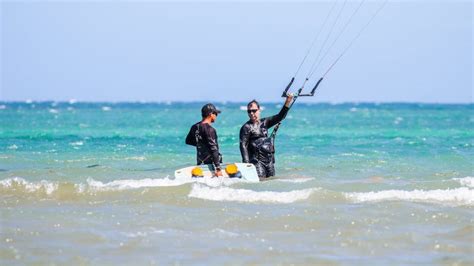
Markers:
(218, 172)
(289, 99)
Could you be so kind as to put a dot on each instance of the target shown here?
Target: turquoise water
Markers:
(92, 183)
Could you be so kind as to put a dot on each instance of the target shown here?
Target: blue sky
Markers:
(414, 51)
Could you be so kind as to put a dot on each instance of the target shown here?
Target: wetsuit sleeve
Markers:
(191, 137)
(244, 143)
(273, 120)
(211, 142)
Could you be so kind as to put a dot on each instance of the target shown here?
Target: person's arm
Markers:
(244, 143)
(191, 137)
(273, 120)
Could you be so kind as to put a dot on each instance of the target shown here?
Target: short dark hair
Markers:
(253, 101)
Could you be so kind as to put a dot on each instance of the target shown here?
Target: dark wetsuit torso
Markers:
(256, 147)
(204, 137)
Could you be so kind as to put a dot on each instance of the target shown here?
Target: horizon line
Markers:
(73, 101)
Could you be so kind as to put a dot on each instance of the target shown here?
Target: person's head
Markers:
(253, 110)
(209, 110)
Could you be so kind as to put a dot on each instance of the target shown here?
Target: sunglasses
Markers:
(252, 111)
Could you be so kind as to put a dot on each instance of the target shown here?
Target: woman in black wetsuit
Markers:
(255, 146)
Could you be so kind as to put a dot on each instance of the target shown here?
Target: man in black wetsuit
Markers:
(255, 146)
(204, 137)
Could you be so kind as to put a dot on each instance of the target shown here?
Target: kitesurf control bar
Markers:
(288, 87)
(314, 88)
(295, 96)
(298, 94)
(277, 126)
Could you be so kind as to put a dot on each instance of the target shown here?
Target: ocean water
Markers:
(356, 184)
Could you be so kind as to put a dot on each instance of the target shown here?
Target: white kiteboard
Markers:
(247, 171)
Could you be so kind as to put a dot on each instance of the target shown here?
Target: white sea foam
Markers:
(243, 195)
(125, 184)
(224, 233)
(43, 185)
(136, 234)
(135, 158)
(12, 147)
(462, 196)
(91, 185)
(80, 188)
(295, 180)
(77, 143)
(106, 108)
(467, 181)
(213, 181)
(398, 120)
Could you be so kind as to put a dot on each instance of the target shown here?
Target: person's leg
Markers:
(270, 169)
(261, 171)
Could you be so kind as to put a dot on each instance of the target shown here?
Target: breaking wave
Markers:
(457, 196)
(295, 180)
(244, 195)
(221, 189)
(18, 185)
(467, 181)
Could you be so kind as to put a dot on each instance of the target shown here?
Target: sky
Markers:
(155, 51)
